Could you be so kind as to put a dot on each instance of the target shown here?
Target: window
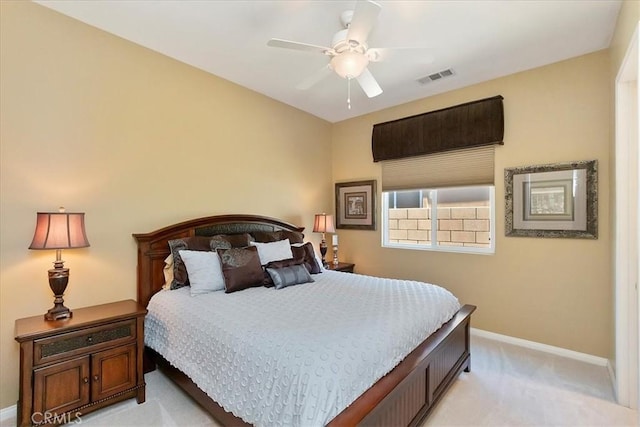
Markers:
(454, 219)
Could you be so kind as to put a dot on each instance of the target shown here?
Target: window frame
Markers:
(434, 225)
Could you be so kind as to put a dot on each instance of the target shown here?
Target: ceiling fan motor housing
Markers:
(340, 44)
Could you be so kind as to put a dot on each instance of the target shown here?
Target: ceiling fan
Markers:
(349, 52)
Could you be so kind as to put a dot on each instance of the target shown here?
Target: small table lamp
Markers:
(59, 230)
(323, 224)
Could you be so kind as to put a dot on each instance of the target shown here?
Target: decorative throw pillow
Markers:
(289, 276)
(241, 268)
(274, 251)
(278, 264)
(205, 271)
(293, 236)
(194, 243)
(236, 240)
(274, 236)
(219, 242)
(307, 253)
(200, 243)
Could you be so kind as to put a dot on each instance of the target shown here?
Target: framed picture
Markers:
(558, 200)
(356, 205)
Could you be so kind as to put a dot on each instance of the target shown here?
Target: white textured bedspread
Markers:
(300, 355)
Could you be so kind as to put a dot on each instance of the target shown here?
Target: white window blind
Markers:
(469, 166)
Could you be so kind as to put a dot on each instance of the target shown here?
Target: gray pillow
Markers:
(288, 276)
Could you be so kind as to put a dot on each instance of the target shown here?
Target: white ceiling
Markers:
(480, 40)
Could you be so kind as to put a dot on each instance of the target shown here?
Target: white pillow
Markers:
(273, 251)
(204, 270)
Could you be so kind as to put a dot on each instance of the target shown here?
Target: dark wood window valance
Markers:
(466, 125)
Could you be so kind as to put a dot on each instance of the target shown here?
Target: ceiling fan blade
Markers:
(369, 84)
(424, 54)
(315, 78)
(287, 44)
(364, 17)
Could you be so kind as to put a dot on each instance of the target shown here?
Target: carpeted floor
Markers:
(513, 386)
(507, 386)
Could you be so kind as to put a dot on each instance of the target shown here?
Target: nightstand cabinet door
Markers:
(61, 387)
(113, 371)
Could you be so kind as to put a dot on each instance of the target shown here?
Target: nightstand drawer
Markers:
(83, 341)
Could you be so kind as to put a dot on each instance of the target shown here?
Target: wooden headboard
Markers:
(153, 247)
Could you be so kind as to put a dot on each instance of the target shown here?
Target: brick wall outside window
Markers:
(458, 225)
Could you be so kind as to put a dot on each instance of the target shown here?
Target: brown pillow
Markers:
(307, 253)
(195, 243)
(241, 268)
(275, 236)
(237, 240)
(200, 243)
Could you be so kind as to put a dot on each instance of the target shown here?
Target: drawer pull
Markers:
(89, 339)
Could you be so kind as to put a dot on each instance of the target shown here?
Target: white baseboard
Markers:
(558, 351)
(8, 413)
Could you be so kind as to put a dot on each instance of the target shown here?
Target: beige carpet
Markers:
(508, 386)
(512, 386)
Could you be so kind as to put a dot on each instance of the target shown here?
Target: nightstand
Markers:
(342, 266)
(74, 366)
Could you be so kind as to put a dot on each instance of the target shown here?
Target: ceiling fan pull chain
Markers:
(349, 93)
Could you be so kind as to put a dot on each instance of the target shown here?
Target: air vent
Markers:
(436, 76)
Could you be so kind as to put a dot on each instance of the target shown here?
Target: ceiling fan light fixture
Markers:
(349, 64)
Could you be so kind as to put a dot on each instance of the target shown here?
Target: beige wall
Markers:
(625, 26)
(553, 291)
(137, 141)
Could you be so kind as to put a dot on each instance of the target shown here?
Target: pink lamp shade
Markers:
(59, 230)
(323, 224)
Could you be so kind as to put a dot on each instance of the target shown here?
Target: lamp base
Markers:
(58, 280)
(57, 312)
(323, 252)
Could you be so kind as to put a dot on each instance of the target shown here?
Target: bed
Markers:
(404, 396)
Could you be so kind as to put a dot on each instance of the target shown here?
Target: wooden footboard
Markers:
(407, 394)
(404, 397)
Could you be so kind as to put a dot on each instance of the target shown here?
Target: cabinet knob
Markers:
(85, 380)
(96, 378)
(89, 339)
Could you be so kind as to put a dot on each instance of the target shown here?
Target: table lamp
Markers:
(59, 230)
(323, 224)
